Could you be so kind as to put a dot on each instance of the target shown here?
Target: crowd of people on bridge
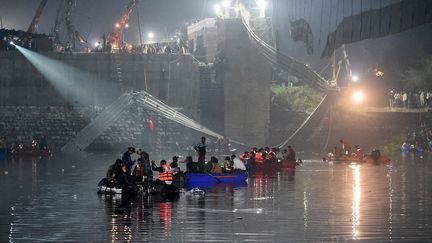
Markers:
(411, 99)
(418, 141)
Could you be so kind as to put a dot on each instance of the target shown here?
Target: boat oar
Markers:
(217, 179)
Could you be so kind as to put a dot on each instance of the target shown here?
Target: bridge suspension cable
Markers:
(114, 111)
(284, 62)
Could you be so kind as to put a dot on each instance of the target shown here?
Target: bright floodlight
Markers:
(262, 4)
(150, 35)
(217, 8)
(358, 97)
(117, 25)
(354, 78)
(11, 42)
(226, 4)
(96, 44)
(126, 25)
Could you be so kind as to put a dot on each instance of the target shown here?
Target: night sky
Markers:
(92, 18)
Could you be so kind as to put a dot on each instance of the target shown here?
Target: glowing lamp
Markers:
(358, 96)
(354, 78)
(262, 4)
(217, 8)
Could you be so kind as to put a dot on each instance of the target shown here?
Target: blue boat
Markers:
(193, 178)
(213, 184)
(3, 154)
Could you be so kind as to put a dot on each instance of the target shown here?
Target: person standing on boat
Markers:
(127, 160)
(165, 171)
(116, 175)
(201, 149)
(145, 165)
(346, 148)
(291, 154)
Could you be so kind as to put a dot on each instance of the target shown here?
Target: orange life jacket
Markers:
(243, 157)
(259, 158)
(138, 171)
(167, 175)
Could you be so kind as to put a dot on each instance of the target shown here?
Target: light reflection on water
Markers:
(55, 200)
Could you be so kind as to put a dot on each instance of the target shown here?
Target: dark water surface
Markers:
(55, 200)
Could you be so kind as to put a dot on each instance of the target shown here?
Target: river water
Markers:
(55, 200)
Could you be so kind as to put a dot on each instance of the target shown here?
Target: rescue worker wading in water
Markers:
(165, 172)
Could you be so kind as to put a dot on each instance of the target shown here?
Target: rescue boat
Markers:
(192, 178)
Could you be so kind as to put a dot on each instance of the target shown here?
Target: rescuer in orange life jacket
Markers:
(165, 172)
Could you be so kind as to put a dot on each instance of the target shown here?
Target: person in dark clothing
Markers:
(291, 154)
(146, 166)
(43, 143)
(190, 165)
(177, 173)
(174, 163)
(116, 175)
(127, 160)
(201, 149)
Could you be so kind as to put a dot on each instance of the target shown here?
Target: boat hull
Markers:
(288, 164)
(194, 178)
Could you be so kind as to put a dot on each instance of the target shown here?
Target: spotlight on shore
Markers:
(76, 86)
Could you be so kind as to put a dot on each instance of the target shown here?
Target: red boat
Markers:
(267, 166)
(288, 164)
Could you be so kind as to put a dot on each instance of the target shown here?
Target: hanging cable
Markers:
(343, 16)
(336, 28)
(321, 21)
(361, 18)
(380, 17)
(330, 17)
(352, 22)
(370, 17)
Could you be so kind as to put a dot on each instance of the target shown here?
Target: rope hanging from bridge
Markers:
(286, 63)
(375, 23)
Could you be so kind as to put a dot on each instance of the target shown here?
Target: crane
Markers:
(115, 38)
(64, 14)
(36, 18)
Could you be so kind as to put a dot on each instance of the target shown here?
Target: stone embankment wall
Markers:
(31, 107)
(174, 79)
(60, 124)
